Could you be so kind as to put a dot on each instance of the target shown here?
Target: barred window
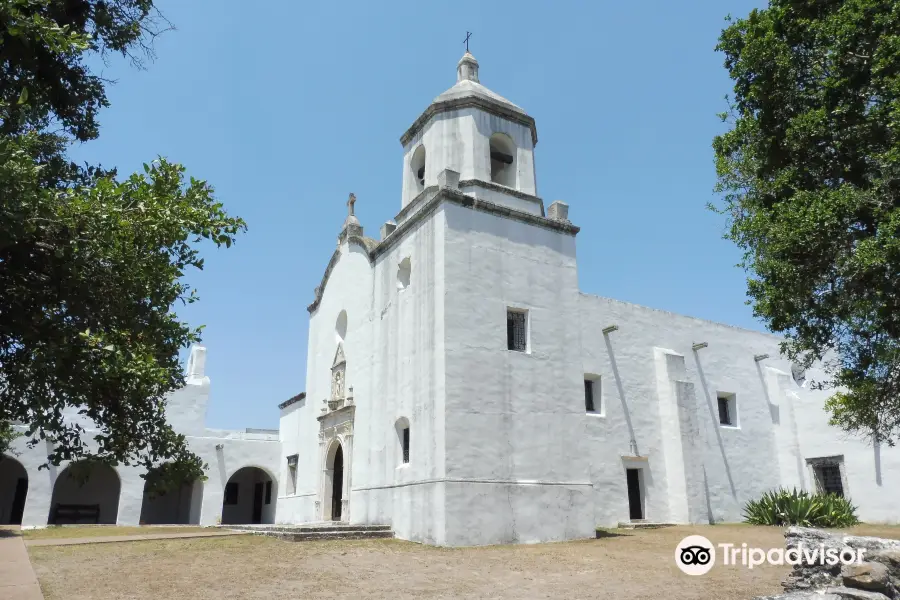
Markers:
(828, 479)
(516, 330)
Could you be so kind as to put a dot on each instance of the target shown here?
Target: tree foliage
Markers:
(8, 433)
(810, 173)
(44, 77)
(91, 266)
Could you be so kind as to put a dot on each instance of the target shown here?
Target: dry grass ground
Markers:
(75, 531)
(627, 564)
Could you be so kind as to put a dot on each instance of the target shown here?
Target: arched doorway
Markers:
(13, 489)
(337, 484)
(333, 506)
(249, 497)
(85, 492)
(170, 505)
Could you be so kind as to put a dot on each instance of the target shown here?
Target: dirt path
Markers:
(129, 538)
(628, 564)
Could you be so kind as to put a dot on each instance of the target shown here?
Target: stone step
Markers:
(639, 524)
(300, 535)
(331, 535)
(312, 528)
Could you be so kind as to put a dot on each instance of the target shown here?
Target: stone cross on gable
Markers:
(350, 202)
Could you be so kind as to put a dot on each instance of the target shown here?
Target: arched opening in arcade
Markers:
(86, 492)
(249, 498)
(168, 501)
(13, 490)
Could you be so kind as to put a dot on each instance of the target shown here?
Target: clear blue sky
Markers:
(286, 107)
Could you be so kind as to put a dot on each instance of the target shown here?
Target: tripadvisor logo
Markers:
(696, 555)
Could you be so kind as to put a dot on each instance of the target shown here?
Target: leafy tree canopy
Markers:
(91, 266)
(810, 173)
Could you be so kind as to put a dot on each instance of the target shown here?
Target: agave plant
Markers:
(798, 507)
(838, 512)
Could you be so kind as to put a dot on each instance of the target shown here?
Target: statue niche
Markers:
(337, 384)
(338, 379)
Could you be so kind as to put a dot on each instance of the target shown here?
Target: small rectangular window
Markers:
(406, 445)
(589, 395)
(292, 474)
(516, 330)
(724, 417)
(269, 492)
(231, 493)
(727, 409)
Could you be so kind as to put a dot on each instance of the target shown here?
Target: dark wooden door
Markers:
(257, 502)
(635, 505)
(18, 505)
(337, 485)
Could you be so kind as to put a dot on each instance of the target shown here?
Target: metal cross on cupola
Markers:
(468, 35)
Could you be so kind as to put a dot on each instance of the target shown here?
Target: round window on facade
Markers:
(340, 327)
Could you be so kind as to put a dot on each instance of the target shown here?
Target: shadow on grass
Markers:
(611, 533)
(8, 532)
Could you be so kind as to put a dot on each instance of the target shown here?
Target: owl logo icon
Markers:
(695, 555)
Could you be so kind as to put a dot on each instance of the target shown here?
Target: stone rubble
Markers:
(876, 578)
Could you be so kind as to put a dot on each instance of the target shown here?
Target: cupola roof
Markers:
(467, 85)
(468, 91)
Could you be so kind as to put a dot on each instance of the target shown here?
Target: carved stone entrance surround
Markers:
(336, 427)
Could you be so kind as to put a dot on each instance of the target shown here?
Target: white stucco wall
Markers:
(517, 469)
(503, 198)
(186, 409)
(407, 381)
(698, 470)
(298, 436)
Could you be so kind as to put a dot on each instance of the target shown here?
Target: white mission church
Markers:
(461, 389)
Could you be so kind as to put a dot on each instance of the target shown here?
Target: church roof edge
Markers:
(506, 111)
(428, 206)
(767, 334)
(292, 400)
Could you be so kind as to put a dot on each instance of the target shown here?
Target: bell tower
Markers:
(484, 137)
